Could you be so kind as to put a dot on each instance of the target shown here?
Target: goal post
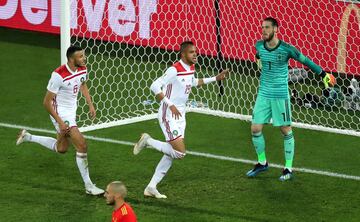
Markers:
(130, 43)
(65, 38)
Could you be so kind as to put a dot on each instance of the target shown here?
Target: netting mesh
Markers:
(130, 43)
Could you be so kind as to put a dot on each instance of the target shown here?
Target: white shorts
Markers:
(69, 118)
(172, 129)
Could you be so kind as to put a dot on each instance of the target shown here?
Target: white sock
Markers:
(45, 141)
(165, 148)
(161, 170)
(82, 163)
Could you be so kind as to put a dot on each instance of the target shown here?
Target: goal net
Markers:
(129, 43)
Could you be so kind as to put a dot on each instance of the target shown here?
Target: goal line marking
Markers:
(194, 153)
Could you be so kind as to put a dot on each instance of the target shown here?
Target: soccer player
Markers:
(273, 101)
(173, 89)
(115, 195)
(61, 103)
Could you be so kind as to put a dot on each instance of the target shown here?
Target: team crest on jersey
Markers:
(175, 133)
(183, 80)
(69, 84)
(280, 57)
(82, 79)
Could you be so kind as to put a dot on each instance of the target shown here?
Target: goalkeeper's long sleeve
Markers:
(328, 79)
(298, 56)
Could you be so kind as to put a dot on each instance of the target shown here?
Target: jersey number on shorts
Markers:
(188, 89)
(284, 117)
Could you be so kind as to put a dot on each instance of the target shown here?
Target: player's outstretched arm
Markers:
(85, 91)
(48, 104)
(327, 78)
(221, 76)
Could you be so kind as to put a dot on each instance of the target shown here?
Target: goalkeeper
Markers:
(272, 102)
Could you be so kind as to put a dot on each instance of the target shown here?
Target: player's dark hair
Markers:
(184, 45)
(273, 21)
(71, 50)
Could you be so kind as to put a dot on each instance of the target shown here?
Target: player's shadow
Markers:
(166, 204)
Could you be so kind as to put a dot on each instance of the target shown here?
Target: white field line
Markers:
(208, 111)
(207, 155)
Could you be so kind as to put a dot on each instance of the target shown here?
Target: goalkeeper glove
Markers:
(328, 79)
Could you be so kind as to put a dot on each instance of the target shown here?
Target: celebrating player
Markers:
(61, 103)
(273, 101)
(115, 195)
(173, 89)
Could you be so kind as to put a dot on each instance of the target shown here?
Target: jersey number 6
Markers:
(76, 88)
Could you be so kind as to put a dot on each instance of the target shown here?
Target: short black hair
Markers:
(71, 50)
(273, 21)
(184, 45)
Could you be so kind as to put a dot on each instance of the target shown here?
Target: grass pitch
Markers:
(38, 185)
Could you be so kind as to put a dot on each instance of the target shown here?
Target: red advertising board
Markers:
(156, 23)
(162, 23)
(326, 31)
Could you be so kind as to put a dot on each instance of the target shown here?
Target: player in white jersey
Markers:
(61, 103)
(173, 89)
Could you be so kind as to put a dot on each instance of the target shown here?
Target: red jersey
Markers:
(124, 214)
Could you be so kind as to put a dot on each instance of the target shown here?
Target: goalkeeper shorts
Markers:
(277, 111)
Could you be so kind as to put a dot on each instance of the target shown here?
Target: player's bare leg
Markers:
(256, 128)
(178, 145)
(289, 147)
(259, 144)
(79, 142)
(63, 143)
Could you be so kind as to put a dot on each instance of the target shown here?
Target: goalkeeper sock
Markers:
(161, 170)
(45, 141)
(289, 147)
(259, 144)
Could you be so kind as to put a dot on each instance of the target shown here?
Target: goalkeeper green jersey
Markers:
(274, 71)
